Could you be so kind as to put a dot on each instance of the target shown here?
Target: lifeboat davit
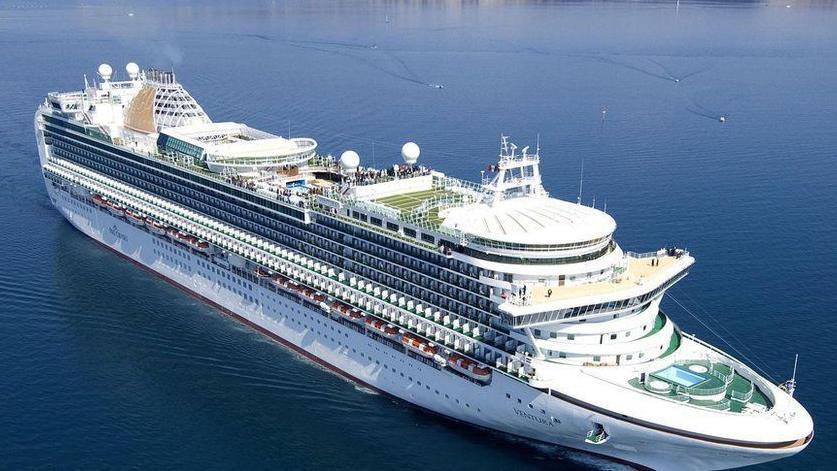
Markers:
(469, 367)
(419, 346)
(381, 327)
(116, 209)
(156, 227)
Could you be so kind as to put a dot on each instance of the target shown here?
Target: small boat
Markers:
(261, 272)
(172, 232)
(116, 209)
(348, 312)
(280, 280)
(381, 327)
(313, 295)
(419, 346)
(100, 200)
(468, 367)
(134, 217)
(156, 227)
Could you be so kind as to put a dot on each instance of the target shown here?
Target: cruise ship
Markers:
(489, 302)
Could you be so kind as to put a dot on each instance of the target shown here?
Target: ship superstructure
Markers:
(490, 302)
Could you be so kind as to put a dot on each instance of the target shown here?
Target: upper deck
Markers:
(508, 214)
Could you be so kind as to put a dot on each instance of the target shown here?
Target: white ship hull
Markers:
(506, 405)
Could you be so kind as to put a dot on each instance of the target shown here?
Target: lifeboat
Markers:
(350, 313)
(261, 272)
(313, 295)
(468, 367)
(202, 246)
(280, 280)
(100, 200)
(381, 327)
(135, 218)
(182, 237)
(419, 346)
(116, 209)
(156, 227)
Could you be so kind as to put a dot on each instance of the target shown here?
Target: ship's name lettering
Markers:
(535, 418)
(114, 231)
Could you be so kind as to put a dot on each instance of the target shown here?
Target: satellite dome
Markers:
(105, 71)
(349, 161)
(410, 152)
(133, 70)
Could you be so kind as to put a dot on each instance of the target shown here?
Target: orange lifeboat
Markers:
(419, 346)
(156, 227)
(100, 200)
(348, 312)
(135, 218)
(469, 367)
(280, 280)
(314, 295)
(381, 327)
(172, 232)
(116, 209)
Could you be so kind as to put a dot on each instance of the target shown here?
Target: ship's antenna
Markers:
(289, 129)
(792, 382)
(605, 205)
(594, 202)
(581, 182)
(538, 145)
(86, 84)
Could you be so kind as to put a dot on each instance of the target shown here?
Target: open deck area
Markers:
(407, 202)
(705, 384)
(637, 271)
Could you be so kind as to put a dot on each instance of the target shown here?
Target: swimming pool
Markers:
(679, 376)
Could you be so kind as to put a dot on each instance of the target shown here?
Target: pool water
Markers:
(679, 376)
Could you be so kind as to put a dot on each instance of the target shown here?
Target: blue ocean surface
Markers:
(103, 365)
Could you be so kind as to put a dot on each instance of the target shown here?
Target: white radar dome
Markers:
(410, 152)
(349, 161)
(105, 71)
(133, 70)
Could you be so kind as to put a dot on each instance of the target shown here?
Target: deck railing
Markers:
(745, 396)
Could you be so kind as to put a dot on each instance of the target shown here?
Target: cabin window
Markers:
(392, 227)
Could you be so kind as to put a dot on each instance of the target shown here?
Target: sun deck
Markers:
(705, 384)
(637, 271)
